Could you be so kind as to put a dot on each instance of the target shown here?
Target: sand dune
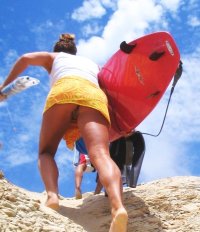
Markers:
(171, 204)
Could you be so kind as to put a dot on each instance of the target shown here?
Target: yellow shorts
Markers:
(78, 91)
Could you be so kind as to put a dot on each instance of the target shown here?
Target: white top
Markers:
(65, 65)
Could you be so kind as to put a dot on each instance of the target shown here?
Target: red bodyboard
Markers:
(135, 81)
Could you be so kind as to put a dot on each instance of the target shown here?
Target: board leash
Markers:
(176, 78)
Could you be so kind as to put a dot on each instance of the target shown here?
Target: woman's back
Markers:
(72, 65)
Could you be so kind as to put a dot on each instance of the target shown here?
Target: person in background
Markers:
(128, 153)
(75, 106)
(83, 165)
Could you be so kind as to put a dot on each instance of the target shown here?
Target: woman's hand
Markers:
(2, 96)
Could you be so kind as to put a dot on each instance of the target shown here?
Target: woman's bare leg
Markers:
(54, 124)
(94, 129)
(99, 186)
(78, 179)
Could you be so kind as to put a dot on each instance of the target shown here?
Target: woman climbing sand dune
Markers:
(75, 107)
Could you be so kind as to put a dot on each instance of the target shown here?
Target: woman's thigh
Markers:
(54, 124)
(94, 129)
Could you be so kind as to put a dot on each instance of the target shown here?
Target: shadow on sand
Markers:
(93, 214)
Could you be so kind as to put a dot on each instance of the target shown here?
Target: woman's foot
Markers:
(52, 201)
(78, 194)
(119, 221)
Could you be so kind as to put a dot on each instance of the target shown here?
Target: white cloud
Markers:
(96, 44)
(109, 3)
(90, 9)
(91, 29)
(164, 157)
(93, 9)
(130, 20)
(171, 4)
(3, 104)
(17, 157)
(194, 21)
(133, 18)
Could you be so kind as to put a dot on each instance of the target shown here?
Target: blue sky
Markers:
(100, 26)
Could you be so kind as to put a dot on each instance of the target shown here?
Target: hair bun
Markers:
(67, 37)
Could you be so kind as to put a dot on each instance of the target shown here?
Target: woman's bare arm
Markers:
(43, 59)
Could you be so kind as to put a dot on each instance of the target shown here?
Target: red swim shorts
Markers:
(82, 159)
